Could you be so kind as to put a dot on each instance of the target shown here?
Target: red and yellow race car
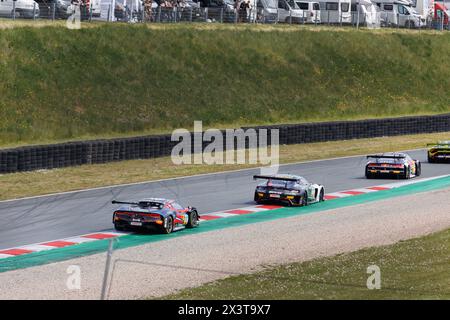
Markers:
(392, 164)
(154, 213)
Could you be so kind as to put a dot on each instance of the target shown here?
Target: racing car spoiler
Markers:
(439, 144)
(379, 156)
(124, 202)
(274, 178)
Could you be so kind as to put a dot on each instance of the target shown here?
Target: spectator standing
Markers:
(148, 10)
(236, 10)
(243, 11)
(181, 5)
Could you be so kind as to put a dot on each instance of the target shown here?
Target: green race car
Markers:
(438, 152)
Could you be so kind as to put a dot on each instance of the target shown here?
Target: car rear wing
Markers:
(124, 202)
(274, 178)
(380, 156)
(439, 144)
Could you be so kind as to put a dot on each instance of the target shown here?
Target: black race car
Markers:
(438, 152)
(289, 189)
(392, 164)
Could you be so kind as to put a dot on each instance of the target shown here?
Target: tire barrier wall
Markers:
(30, 158)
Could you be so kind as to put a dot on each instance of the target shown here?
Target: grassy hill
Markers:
(112, 80)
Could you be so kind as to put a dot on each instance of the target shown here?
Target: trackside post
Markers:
(107, 267)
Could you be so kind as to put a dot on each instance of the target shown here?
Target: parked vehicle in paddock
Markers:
(218, 10)
(310, 11)
(55, 9)
(399, 13)
(290, 189)
(440, 16)
(267, 11)
(154, 213)
(423, 7)
(191, 11)
(439, 152)
(392, 164)
(365, 13)
(28, 9)
(130, 11)
(289, 12)
(335, 11)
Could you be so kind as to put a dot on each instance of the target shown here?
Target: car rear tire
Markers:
(408, 24)
(418, 169)
(118, 227)
(193, 220)
(257, 199)
(322, 195)
(304, 200)
(407, 174)
(167, 226)
(430, 159)
(368, 174)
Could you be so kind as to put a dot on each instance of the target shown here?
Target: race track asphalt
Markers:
(53, 217)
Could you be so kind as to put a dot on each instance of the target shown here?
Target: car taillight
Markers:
(390, 165)
(123, 213)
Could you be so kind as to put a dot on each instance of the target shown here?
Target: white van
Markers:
(23, 9)
(399, 13)
(310, 10)
(335, 11)
(289, 12)
(267, 11)
(423, 7)
(366, 13)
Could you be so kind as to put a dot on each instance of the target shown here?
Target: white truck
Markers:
(335, 11)
(399, 13)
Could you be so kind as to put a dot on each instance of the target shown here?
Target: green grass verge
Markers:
(412, 269)
(112, 80)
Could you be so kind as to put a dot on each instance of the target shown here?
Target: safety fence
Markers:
(101, 151)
